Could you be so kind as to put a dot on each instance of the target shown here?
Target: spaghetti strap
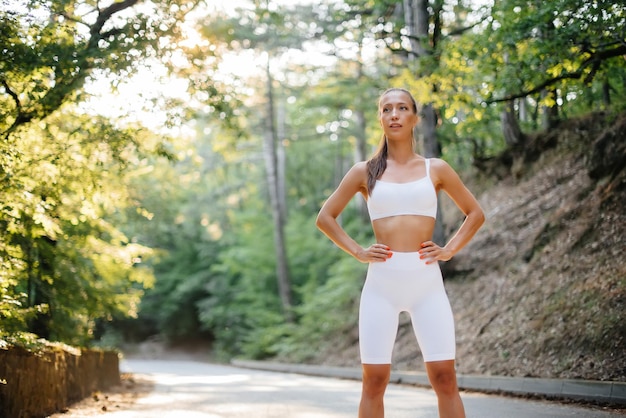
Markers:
(427, 162)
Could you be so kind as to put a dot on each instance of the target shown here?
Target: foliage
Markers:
(65, 266)
(537, 45)
(328, 300)
(51, 47)
(64, 261)
(25, 340)
(242, 295)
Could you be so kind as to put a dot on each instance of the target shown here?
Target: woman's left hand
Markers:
(431, 252)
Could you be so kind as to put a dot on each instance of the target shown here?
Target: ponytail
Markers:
(376, 165)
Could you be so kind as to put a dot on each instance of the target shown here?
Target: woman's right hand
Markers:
(375, 253)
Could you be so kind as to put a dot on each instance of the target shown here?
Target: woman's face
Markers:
(396, 114)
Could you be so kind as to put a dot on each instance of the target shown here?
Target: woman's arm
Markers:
(353, 182)
(446, 179)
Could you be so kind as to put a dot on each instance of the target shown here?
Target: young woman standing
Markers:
(401, 189)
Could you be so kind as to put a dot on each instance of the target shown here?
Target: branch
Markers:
(594, 61)
(21, 116)
(592, 73)
(72, 18)
(107, 13)
(56, 96)
(462, 30)
(383, 35)
(13, 94)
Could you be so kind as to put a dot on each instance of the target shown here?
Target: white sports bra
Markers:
(417, 197)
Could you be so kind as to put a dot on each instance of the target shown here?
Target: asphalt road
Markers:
(195, 389)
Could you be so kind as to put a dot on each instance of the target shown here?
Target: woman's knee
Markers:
(442, 376)
(375, 378)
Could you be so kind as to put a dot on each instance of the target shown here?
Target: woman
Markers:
(401, 188)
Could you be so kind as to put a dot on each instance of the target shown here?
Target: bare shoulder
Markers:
(360, 168)
(439, 164)
(442, 173)
(357, 175)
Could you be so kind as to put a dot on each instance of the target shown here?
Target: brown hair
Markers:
(377, 164)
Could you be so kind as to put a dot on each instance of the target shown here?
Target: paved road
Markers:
(194, 389)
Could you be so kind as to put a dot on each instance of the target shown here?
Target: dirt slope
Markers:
(541, 290)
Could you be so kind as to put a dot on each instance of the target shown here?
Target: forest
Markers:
(186, 210)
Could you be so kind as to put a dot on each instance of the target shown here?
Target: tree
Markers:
(551, 46)
(65, 264)
(50, 48)
(270, 32)
(65, 260)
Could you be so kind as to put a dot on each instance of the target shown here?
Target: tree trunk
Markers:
(523, 110)
(417, 18)
(271, 166)
(510, 127)
(360, 150)
(549, 114)
(282, 161)
(360, 154)
(428, 128)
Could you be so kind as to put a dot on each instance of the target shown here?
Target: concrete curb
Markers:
(588, 390)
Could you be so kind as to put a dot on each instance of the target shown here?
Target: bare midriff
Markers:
(404, 233)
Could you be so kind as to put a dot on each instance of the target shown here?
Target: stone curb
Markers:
(589, 390)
